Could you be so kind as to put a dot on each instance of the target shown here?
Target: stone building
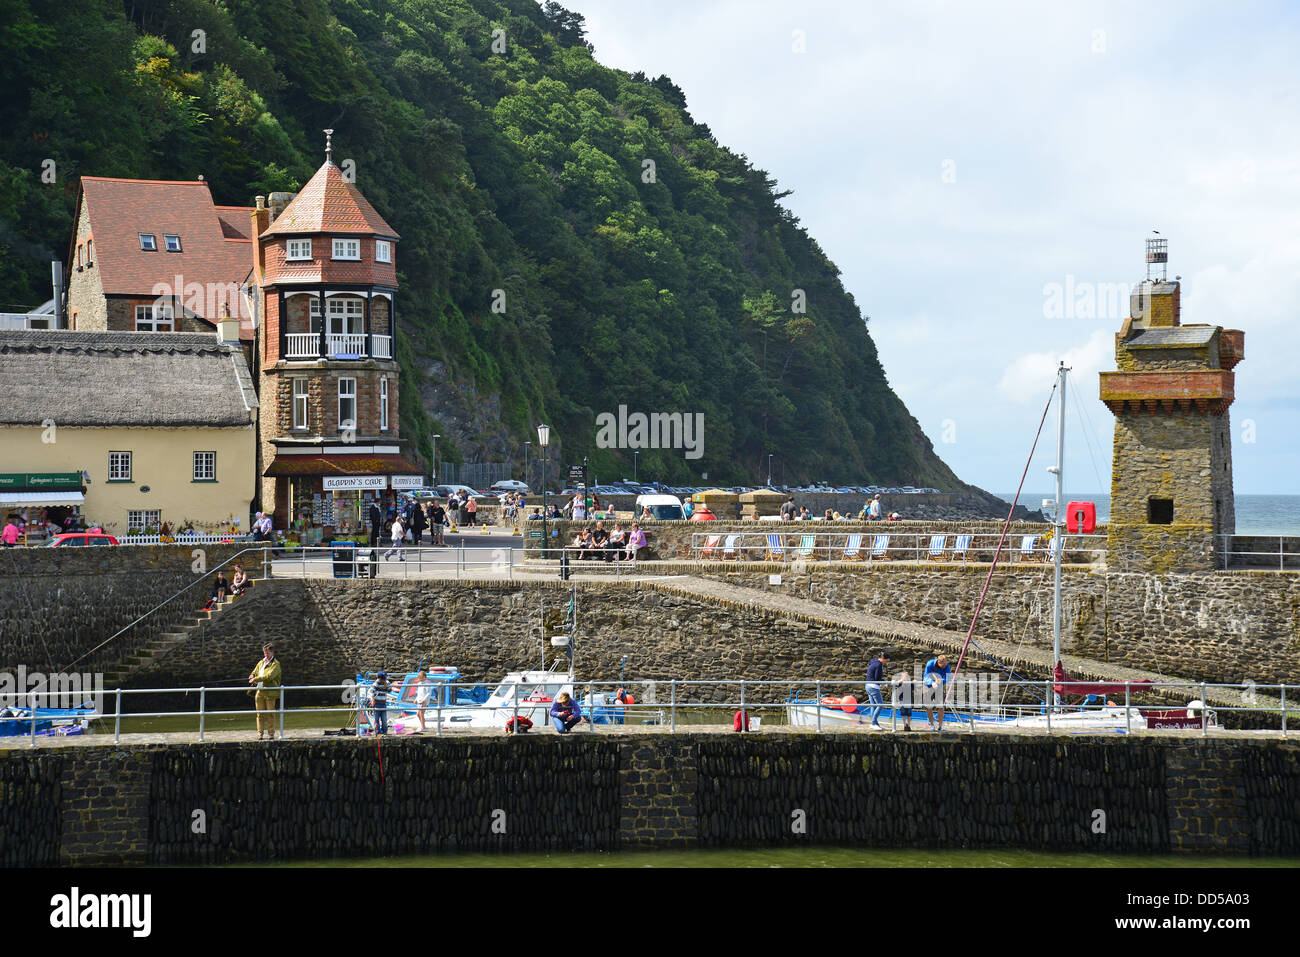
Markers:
(1171, 482)
(157, 256)
(325, 273)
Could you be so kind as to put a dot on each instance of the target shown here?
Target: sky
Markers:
(981, 172)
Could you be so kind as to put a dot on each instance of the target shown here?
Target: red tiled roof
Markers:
(341, 465)
(212, 254)
(330, 204)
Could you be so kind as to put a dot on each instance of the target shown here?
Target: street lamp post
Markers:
(434, 463)
(543, 440)
(634, 458)
(769, 470)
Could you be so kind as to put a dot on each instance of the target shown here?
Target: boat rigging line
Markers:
(970, 632)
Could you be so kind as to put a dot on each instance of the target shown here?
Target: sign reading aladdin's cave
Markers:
(345, 483)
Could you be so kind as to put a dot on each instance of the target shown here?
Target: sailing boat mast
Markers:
(1058, 521)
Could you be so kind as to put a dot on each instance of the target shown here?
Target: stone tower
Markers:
(324, 265)
(1171, 474)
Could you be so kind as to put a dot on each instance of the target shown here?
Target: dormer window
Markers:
(173, 242)
(383, 251)
(298, 249)
(148, 243)
(347, 249)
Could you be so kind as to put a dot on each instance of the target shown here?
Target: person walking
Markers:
(902, 698)
(873, 513)
(875, 676)
(418, 523)
(437, 521)
(399, 535)
(471, 510)
(266, 676)
(423, 692)
(935, 678)
(376, 519)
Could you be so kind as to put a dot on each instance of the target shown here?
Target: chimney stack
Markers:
(227, 328)
(278, 202)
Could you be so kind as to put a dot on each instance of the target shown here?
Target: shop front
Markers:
(42, 504)
(321, 498)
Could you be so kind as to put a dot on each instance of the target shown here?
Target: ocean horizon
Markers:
(1256, 514)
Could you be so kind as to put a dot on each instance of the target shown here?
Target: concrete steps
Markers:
(161, 645)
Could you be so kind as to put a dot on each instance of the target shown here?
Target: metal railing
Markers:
(829, 545)
(306, 345)
(361, 560)
(1286, 557)
(809, 705)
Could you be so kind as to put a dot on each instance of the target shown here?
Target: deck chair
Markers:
(880, 550)
(960, 548)
(775, 550)
(729, 549)
(710, 546)
(853, 549)
(1056, 545)
(1027, 553)
(938, 543)
(807, 547)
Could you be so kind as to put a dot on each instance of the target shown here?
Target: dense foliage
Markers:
(642, 263)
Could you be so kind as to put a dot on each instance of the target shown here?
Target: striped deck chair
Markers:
(710, 546)
(807, 547)
(938, 543)
(1027, 553)
(853, 549)
(960, 548)
(775, 550)
(880, 550)
(1054, 546)
(729, 549)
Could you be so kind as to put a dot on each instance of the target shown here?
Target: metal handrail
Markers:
(202, 578)
(745, 699)
(1227, 540)
(907, 546)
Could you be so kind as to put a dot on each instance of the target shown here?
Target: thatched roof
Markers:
(122, 379)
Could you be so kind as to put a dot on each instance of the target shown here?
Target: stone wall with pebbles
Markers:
(220, 803)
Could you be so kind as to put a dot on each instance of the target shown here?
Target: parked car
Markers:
(510, 485)
(80, 538)
(445, 490)
(665, 508)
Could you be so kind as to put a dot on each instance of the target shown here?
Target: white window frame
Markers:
(205, 466)
(346, 249)
(139, 518)
(90, 252)
(119, 467)
(348, 395)
(301, 400)
(347, 315)
(148, 242)
(167, 242)
(383, 251)
(294, 250)
(383, 404)
(155, 319)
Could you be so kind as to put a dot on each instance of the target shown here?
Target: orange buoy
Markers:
(848, 704)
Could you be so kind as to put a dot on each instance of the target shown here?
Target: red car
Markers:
(81, 538)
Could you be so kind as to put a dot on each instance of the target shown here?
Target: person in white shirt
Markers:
(399, 534)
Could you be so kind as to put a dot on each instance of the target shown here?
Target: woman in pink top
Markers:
(634, 541)
(10, 534)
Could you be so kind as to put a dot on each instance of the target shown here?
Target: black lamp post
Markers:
(543, 440)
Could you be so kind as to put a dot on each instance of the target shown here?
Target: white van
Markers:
(664, 508)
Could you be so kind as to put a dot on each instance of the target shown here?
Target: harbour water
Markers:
(806, 857)
(1256, 514)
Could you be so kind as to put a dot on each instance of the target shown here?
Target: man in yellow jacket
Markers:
(266, 676)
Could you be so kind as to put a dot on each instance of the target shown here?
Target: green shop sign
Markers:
(40, 481)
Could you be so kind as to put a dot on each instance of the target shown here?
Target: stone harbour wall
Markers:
(61, 602)
(222, 803)
(1213, 626)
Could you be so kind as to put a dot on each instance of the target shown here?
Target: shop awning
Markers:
(305, 465)
(42, 498)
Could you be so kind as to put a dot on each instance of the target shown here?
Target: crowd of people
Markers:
(872, 511)
(613, 545)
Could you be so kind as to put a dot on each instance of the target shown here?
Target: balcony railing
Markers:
(306, 345)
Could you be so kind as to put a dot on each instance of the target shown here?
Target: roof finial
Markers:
(329, 148)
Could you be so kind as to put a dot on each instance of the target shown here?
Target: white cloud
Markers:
(1029, 377)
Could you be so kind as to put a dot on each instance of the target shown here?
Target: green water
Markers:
(803, 857)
